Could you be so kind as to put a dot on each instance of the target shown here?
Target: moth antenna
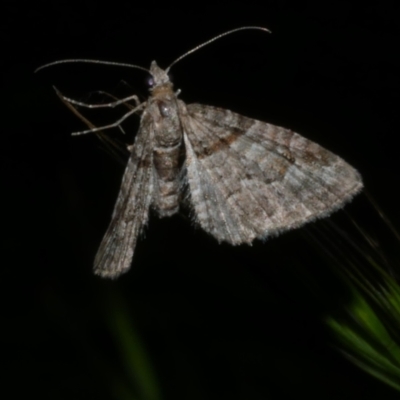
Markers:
(86, 61)
(221, 35)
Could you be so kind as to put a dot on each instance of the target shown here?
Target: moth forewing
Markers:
(131, 211)
(249, 179)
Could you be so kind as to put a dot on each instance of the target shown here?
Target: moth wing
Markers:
(131, 210)
(251, 179)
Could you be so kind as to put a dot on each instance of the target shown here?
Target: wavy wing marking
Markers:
(251, 179)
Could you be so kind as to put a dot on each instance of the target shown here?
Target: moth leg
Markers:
(114, 125)
(134, 98)
(127, 105)
(111, 104)
(68, 102)
(115, 148)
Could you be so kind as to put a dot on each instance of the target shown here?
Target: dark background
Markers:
(216, 322)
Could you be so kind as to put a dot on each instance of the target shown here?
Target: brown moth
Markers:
(245, 179)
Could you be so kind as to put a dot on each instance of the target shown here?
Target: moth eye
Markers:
(150, 81)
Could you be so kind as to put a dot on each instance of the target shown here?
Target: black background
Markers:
(216, 322)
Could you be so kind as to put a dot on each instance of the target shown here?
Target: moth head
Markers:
(158, 77)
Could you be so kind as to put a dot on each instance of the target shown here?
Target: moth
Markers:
(244, 179)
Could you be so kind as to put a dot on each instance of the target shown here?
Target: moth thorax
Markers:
(162, 90)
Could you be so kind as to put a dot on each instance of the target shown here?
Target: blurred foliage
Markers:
(368, 328)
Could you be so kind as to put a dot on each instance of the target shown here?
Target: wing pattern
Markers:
(251, 179)
(131, 211)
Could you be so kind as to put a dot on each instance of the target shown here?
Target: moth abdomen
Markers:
(166, 164)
